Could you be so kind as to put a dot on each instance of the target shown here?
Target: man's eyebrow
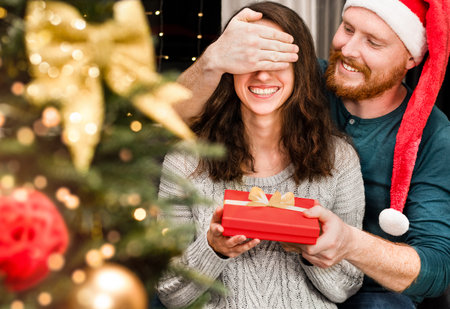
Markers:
(369, 34)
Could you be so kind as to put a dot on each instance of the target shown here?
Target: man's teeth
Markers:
(263, 91)
(349, 68)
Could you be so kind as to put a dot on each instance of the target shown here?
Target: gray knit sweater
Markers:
(265, 276)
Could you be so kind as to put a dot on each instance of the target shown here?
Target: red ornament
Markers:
(31, 230)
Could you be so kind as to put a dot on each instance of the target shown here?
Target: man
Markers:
(374, 47)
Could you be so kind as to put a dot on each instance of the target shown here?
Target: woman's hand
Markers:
(227, 246)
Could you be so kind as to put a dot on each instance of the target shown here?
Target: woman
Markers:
(278, 135)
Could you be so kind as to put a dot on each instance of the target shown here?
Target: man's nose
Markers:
(351, 48)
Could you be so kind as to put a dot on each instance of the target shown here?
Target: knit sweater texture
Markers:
(266, 276)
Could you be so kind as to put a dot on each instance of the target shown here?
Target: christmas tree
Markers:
(85, 122)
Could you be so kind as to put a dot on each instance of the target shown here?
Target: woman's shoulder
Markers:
(344, 151)
(180, 160)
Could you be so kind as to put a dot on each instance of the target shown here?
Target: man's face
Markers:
(367, 57)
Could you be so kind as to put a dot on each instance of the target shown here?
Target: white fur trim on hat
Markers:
(402, 21)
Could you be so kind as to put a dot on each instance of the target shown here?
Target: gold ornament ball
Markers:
(110, 286)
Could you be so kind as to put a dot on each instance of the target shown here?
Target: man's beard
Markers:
(372, 86)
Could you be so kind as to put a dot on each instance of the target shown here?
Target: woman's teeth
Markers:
(263, 91)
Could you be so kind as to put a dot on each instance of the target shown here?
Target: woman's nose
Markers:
(262, 75)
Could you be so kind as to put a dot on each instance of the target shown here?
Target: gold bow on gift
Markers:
(69, 58)
(259, 198)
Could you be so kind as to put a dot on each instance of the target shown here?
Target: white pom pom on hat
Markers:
(421, 25)
(393, 222)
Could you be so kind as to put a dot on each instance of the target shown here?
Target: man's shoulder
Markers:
(438, 125)
(323, 64)
(435, 143)
(332, 98)
(438, 117)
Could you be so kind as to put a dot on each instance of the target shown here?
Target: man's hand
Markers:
(394, 266)
(332, 245)
(246, 47)
(228, 246)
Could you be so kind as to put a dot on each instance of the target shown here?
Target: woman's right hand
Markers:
(228, 246)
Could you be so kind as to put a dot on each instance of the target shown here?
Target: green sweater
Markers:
(428, 203)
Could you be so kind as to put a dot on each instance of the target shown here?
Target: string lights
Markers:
(158, 12)
(161, 54)
(199, 31)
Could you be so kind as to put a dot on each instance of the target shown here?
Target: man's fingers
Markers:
(270, 66)
(265, 32)
(248, 15)
(267, 53)
(319, 212)
(275, 35)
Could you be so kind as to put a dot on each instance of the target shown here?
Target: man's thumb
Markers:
(313, 212)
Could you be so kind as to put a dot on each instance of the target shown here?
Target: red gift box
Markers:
(266, 222)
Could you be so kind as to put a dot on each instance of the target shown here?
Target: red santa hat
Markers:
(421, 25)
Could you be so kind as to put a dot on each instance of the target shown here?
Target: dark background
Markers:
(180, 23)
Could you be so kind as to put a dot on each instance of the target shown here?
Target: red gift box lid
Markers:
(270, 223)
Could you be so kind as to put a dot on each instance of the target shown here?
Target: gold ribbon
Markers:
(70, 58)
(257, 197)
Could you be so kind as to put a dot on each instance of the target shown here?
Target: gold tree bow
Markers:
(69, 58)
(257, 197)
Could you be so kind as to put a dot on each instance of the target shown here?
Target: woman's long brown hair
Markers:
(307, 131)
